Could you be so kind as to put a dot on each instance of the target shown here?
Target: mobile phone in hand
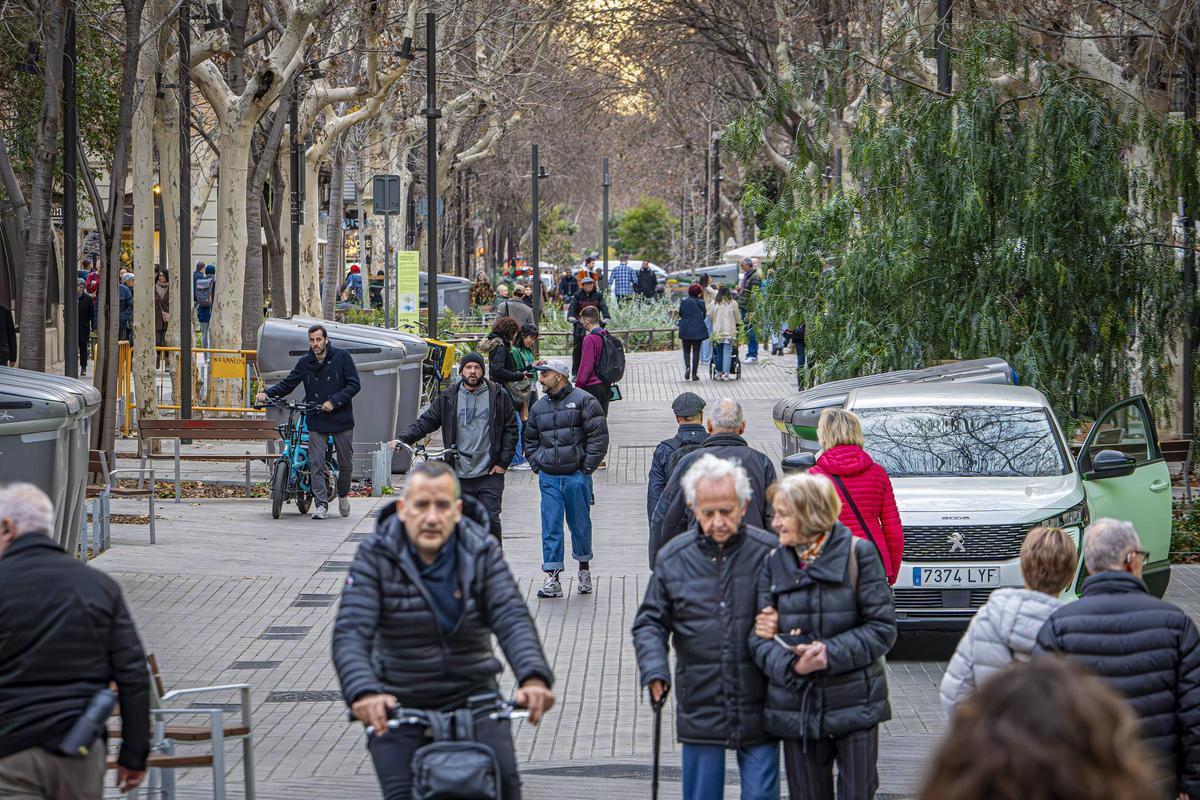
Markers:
(790, 642)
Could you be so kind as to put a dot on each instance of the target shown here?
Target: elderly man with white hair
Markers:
(702, 593)
(65, 635)
(1145, 648)
(726, 424)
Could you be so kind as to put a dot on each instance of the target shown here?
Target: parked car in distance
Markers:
(975, 466)
(679, 281)
(659, 273)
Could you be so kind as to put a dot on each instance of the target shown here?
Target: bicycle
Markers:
(487, 705)
(421, 452)
(437, 366)
(290, 477)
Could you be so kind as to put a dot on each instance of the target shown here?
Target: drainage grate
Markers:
(255, 664)
(304, 697)
(288, 633)
(334, 566)
(314, 600)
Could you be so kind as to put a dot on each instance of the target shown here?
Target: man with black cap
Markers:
(689, 416)
(587, 296)
(477, 418)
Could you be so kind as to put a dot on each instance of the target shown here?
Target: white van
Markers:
(974, 466)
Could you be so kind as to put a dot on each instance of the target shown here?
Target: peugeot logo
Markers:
(956, 542)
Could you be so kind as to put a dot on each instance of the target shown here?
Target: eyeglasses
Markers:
(1145, 554)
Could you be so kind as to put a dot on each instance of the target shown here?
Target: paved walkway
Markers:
(230, 595)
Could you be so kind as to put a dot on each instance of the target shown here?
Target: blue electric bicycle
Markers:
(290, 477)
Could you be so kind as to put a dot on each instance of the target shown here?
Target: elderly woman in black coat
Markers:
(692, 330)
(827, 623)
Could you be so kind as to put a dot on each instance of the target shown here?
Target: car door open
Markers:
(1126, 478)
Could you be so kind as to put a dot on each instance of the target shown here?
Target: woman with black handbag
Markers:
(826, 623)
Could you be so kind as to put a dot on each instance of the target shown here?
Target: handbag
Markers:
(454, 766)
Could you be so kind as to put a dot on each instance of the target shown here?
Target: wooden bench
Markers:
(227, 430)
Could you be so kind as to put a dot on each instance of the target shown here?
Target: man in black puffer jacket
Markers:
(703, 594)
(726, 424)
(566, 437)
(425, 594)
(1145, 648)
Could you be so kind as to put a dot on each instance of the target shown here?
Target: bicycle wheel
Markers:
(279, 485)
(303, 502)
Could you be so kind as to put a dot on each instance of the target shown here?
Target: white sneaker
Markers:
(585, 581)
(551, 588)
(749, 360)
(344, 506)
(320, 511)
(522, 467)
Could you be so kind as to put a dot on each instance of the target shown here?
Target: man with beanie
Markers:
(477, 418)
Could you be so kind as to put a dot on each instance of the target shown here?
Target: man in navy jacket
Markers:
(330, 379)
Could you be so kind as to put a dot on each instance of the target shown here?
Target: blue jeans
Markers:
(724, 356)
(751, 343)
(706, 349)
(569, 495)
(704, 771)
(519, 457)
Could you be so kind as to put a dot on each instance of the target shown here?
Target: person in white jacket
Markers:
(1006, 628)
(724, 316)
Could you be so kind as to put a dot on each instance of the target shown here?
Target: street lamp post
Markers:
(432, 112)
(70, 286)
(941, 34)
(297, 191)
(605, 182)
(185, 212)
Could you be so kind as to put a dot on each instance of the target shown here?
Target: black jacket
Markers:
(386, 637)
(84, 315)
(335, 379)
(645, 283)
(443, 413)
(8, 338)
(851, 693)
(1146, 649)
(691, 319)
(65, 634)
(568, 285)
(582, 300)
(656, 481)
(703, 597)
(566, 433)
(502, 367)
(671, 514)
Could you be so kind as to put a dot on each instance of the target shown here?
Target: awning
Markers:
(752, 250)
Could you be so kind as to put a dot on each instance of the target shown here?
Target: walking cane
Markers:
(658, 707)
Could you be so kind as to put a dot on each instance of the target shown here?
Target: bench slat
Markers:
(212, 457)
(237, 435)
(207, 424)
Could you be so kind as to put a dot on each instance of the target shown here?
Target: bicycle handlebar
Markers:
(399, 715)
(422, 452)
(291, 405)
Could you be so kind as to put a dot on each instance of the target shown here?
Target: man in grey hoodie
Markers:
(1006, 628)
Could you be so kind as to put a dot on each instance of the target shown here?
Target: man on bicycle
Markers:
(477, 418)
(330, 379)
(425, 594)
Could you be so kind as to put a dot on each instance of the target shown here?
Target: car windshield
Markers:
(964, 441)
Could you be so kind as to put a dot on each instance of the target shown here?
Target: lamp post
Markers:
(941, 34)
(185, 212)
(605, 182)
(537, 173)
(432, 112)
(70, 285)
(297, 191)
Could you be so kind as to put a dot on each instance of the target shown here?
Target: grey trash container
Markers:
(378, 354)
(797, 416)
(45, 424)
(455, 292)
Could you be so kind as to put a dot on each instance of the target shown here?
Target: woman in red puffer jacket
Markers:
(854, 473)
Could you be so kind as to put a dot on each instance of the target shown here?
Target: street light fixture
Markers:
(537, 174)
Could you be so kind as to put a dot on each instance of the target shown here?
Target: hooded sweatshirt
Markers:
(1003, 631)
(868, 484)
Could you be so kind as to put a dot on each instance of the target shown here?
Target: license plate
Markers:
(956, 577)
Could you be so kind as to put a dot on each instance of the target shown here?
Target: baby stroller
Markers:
(735, 364)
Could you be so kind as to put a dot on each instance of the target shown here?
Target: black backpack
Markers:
(610, 367)
(454, 766)
(204, 291)
(680, 451)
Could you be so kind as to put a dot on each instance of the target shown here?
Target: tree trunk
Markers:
(277, 270)
(333, 228)
(141, 159)
(104, 430)
(252, 287)
(225, 329)
(32, 346)
(310, 273)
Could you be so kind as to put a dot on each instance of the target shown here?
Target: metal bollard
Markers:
(381, 469)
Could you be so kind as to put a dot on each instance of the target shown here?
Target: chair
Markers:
(103, 494)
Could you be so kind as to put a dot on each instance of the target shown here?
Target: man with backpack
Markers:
(425, 595)
(602, 359)
(203, 290)
(726, 424)
(476, 417)
(689, 416)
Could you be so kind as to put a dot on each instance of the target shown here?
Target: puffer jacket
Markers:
(702, 596)
(1003, 631)
(871, 488)
(672, 516)
(566, 432)
(386, 637)
(1147, 650)
(858, 629)
(691, 319)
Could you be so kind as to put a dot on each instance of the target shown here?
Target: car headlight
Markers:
(1076, 515)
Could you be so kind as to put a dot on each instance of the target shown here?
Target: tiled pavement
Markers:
(230, 595)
